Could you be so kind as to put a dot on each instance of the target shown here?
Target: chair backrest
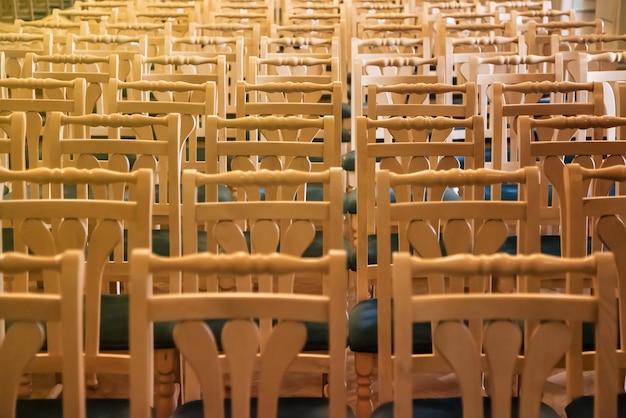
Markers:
(16, 45)
(23, 337)
(300, 99)
(251, 33)
(272, 142)
(232, 48)
(606, 67)
(594, 221)
(13, 141)
(418, 143)
(510, 101)
(510, 69)
(538, 34)
(272, 213)
(418, 220)
(423, 99)
(458, 52)
(159, 98)
(390, 70)
(125, 47)
(94, 69)
(103, 213)
(247, 350)
(20, 95)
(548, 144)
(497, 338)
(156, 145)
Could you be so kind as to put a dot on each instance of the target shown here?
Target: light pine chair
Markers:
(105, 206)
(16, 45)
(272, 213)
(419, 143)
(23, 318)
(548, 144)
(95, 70)
(496, 341)
(20, 95)
(155, 144)
(193, 102)
(245, 350)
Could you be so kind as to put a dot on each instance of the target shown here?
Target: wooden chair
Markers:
(303, 225)
(548, 144)
(509, 69)
(95, 70)
(271, 142)
(247, 348)
(13, 142)
(159, 98)
(417, 146)
(156, 144)
(126, 47)
(510, 101)
(606, 68)
(232, 48)
(46, 223)
(22, 332)
(15, 47)
(538, 34)
(467, 25)
(251, 33)
(246, 12)
(19, 95)
(389, 70)
(301, 99)
(465, 349)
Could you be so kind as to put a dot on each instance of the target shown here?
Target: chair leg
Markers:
(166, 393)
(364, 369)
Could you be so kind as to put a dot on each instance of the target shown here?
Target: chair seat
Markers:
(451, 408)
(287, 408)
(52, 408)
(114, 328)
(363, 330)
(583, 407)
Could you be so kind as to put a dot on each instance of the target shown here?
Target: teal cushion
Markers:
(583, 407)
(346, 110)
(346, 137)
(52, 408)
(453, 408)
(287, 408)
(114, 326)
(348, 161)
(363, 330)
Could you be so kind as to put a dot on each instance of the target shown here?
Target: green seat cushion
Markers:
(363, 330)
(346, 111)
(346, 137)
(52, 408)
(453, 408)
(583, 407)
(348, 161)
(114, 326)
(287, 408)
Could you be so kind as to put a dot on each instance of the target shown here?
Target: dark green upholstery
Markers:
(114, 326)
(583, 407)
(346, 111)
(51, 408)
(452, 408)
(363, 330)
(348, 161)
(287, 408)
